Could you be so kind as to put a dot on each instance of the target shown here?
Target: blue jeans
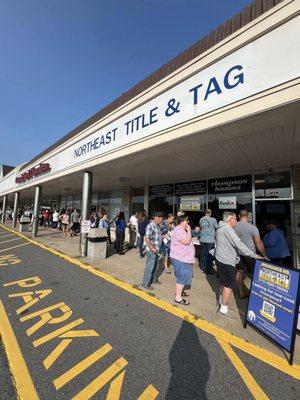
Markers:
(141, 244)
(150, 268)
(206, 259)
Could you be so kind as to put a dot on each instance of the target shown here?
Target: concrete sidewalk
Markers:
(203, 295)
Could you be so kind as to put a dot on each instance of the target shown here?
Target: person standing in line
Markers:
(249, 235)
(46, 218)
(94, 218)
(275, 244)
(103, 223)
(167, 227)
(227, 250)
(208, 227)
(196, 240)
(142, 223)
(55, 218)
(75, 225)
(133, 230)
(153, 240)
(65, 222)
(120, 232)
(182, 256)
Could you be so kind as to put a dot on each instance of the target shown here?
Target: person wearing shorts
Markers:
(227, 250)
(182, 256)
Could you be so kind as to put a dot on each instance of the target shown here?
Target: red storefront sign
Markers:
(41, 169)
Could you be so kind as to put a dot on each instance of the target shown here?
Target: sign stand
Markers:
(273, 304)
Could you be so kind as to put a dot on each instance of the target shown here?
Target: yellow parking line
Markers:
(14, 247)
(250, 382)
(249, 348)
(81, 366)
(10, 240)
(22, 379)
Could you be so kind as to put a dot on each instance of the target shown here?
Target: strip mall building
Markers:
(217, 126)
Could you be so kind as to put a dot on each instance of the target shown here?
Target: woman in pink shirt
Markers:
(65, 222)
(182, 257)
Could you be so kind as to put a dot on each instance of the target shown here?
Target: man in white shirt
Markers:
(133, 230)
(55, 217)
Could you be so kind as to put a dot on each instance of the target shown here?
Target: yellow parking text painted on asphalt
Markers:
(9, 259)
(66, 333)
(219, 333)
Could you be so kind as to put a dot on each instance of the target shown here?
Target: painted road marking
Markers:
(219, 333)
(10, 240)
(9, 259)
(149, 394)
(114, 392)
(248, 379)
(81, 366)
(3, 236)
(249, 348)
(22, 379)
(14, 247)
(99, 382)
(67, 334)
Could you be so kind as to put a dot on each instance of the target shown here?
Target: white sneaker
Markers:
(228, 315)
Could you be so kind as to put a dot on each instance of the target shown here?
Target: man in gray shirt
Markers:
(208, 226)
(75, 225)
(250, 236)
(227, 250)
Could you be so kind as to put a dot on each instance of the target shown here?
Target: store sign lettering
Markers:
(33, 172)
(166, 108)
(230, 185)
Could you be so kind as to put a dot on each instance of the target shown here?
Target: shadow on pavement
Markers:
(213, 282)
(189, 366)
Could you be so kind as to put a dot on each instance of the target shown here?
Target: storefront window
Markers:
(94, 201)
(77, 201)
(233, 202)
(276, 185)
(115, 205)
(161, 199)
(230, 194)
(69, 201)
(190, 197)
(63, 203)
(137, 200)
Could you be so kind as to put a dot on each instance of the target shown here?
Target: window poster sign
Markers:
(236, 184)
(85, 226)
(274, 302)
(190, 188)
(161, 190)
(227, 203)
(190, 203)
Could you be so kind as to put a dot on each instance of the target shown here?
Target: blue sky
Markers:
(63, 60)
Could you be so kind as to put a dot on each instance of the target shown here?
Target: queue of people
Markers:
(231, 246)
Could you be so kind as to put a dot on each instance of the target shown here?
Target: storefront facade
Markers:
(216, 127)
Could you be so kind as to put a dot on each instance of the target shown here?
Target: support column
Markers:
(36, 210)
(146, 199)
(85, 209)
(126, 202)
(4, 209)
(16, 204)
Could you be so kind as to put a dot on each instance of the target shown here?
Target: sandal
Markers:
(183, 302)
(184, 294)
